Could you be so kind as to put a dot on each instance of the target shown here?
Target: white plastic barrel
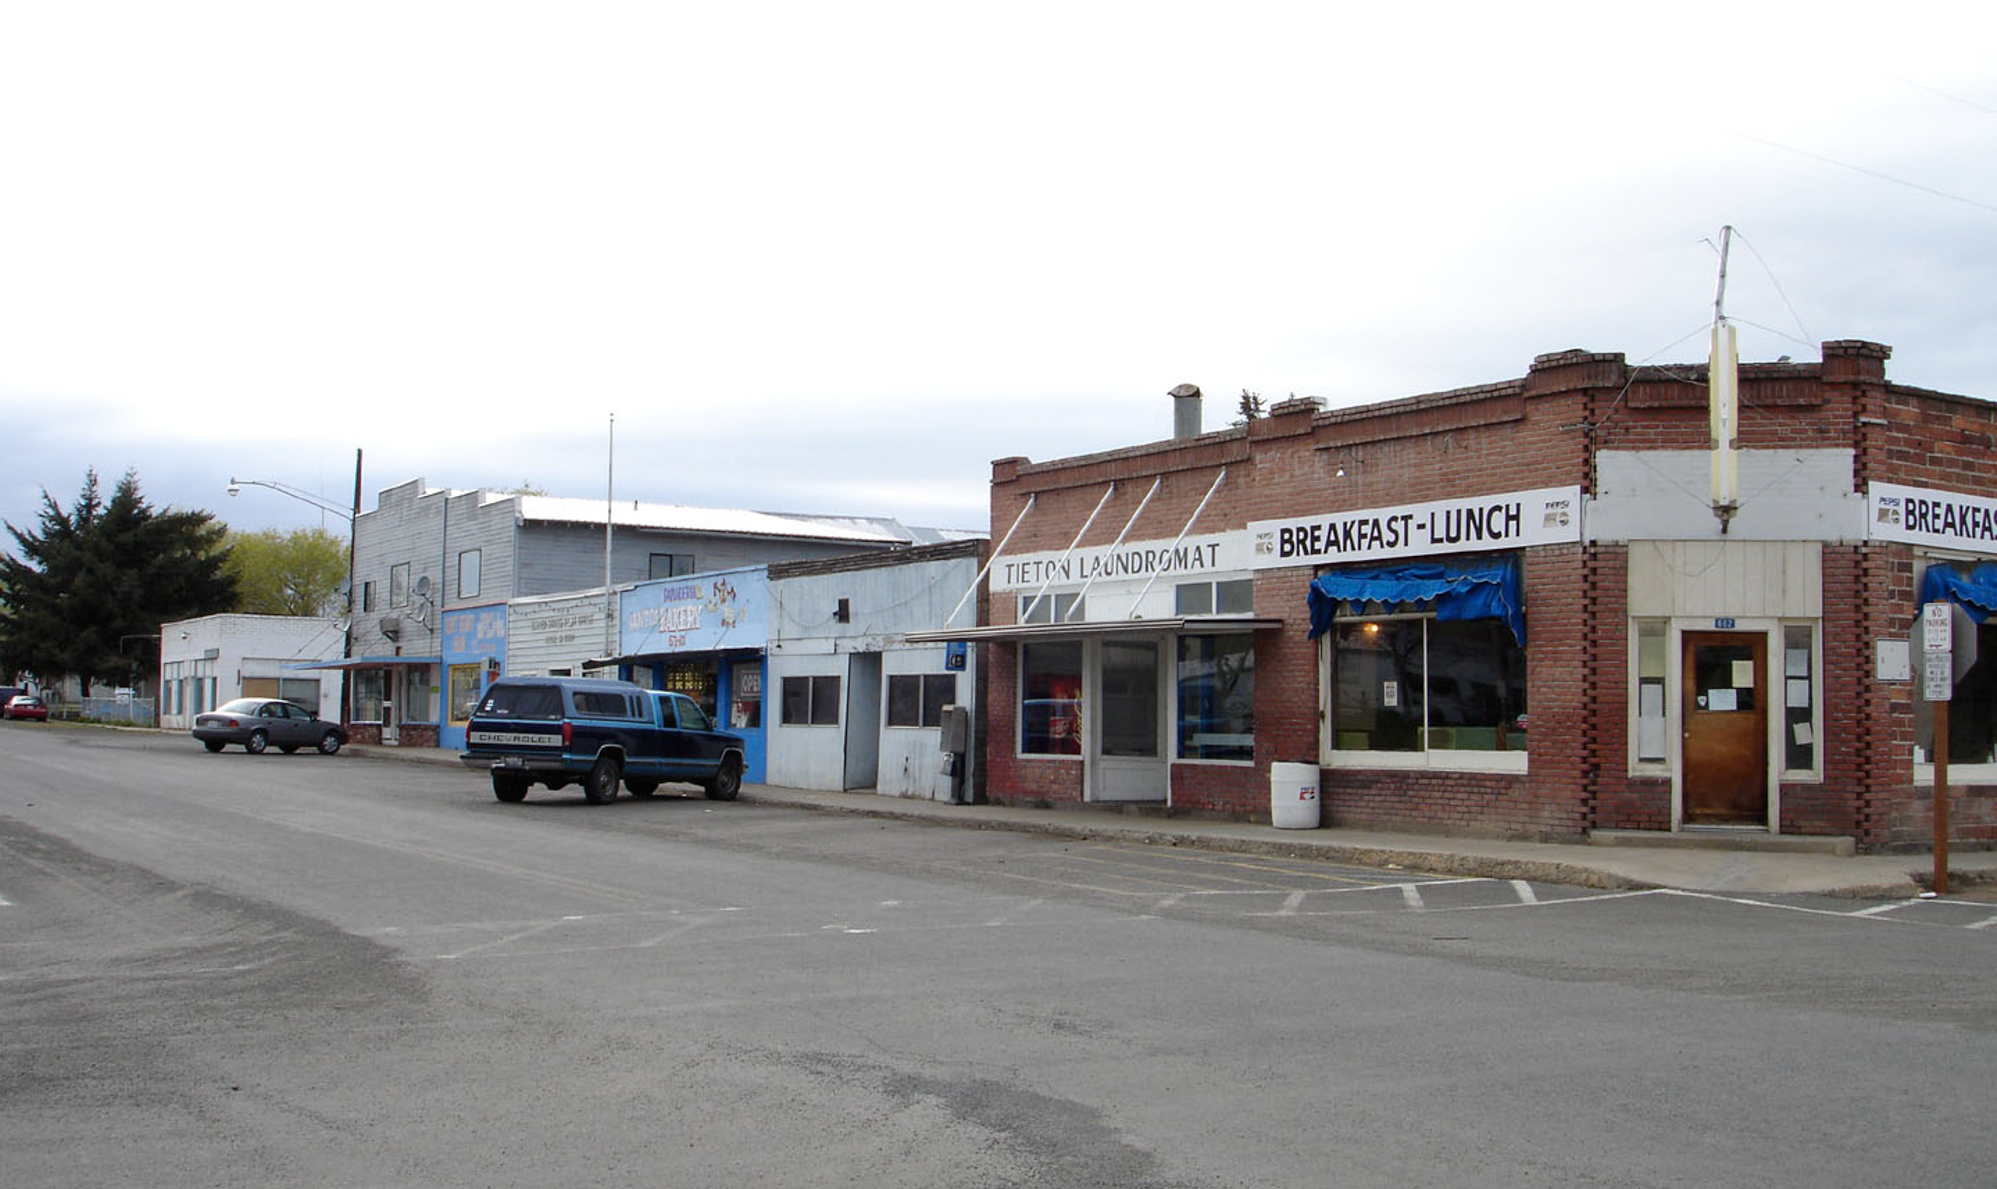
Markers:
(1293, 803)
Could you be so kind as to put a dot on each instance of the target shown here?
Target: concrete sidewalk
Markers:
(1720, 862)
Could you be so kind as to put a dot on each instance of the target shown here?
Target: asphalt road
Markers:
(274, 971)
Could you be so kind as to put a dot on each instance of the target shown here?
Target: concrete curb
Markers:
(1433, 862)
(1750, 871)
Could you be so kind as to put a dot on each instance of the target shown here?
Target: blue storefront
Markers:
(474, 655)
(703, 635)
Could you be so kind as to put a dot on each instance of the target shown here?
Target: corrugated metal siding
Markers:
(554, 633)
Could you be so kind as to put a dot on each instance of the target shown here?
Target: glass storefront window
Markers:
(745, 711)
(1652, 729)
(419, 696)
(1422, 684)
(464, 691)
(1376, 701)
(1972, 708)
(1050, 690)
(1217, 697)
(697, 680)
(367, 695)
(1799, 727)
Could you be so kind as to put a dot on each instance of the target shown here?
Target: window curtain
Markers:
(1491, 589)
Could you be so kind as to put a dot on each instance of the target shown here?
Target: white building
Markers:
(852, 705)
(208, 661)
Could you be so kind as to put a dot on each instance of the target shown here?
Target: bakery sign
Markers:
(1511, 520)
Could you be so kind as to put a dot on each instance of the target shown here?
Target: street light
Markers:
(324, 505)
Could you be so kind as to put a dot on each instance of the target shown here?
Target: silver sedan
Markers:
(257, 724)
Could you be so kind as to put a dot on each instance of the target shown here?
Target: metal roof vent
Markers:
(1186, 411)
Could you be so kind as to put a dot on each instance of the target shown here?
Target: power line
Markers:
(1884, 177)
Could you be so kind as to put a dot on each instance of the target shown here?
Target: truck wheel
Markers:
(640, 786)
(600, 787)
(509, 788)
(727, 782)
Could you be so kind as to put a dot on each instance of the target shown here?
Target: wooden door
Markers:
(1725, 720)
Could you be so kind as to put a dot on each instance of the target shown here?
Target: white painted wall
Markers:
(883, 601)
(220, 650)
(804, 757)
(1666, 495)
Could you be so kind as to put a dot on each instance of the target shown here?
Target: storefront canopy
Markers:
(1976, 591)
(1489, 589)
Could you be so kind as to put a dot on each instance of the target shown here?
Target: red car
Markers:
(26, 706)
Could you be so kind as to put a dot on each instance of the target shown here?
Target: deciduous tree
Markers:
(294, 573)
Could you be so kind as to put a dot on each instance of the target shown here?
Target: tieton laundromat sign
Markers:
(1510, 520)
(1209, 554)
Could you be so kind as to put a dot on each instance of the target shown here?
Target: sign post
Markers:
(1937, 686)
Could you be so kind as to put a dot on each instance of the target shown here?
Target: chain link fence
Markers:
(134, 712)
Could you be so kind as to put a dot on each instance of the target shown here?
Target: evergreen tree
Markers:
(1250, 408)
(88, 592)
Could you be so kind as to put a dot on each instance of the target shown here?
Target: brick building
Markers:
(1533, 608)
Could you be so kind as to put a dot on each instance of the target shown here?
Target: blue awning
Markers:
(1976, 591)
(1492, 589)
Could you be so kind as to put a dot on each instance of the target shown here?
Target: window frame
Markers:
(1511, 761)
(471, 590)
(1778, 697)
(1213, 587)
(1959, 772)
(676, 565)
(816, 699)
(1178, 748)
(933, 691)
(1021, 701)
(1053, 607)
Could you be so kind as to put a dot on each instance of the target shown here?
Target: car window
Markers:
(271, 710)
(692, 717)
(238, 706)
(522, 701)
(296, 711)
(600, 704)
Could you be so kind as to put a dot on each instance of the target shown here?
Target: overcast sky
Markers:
(837, 257)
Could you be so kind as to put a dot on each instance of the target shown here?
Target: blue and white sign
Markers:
(697, 613)
(474, 633)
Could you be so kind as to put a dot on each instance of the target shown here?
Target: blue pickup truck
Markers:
(559, 731)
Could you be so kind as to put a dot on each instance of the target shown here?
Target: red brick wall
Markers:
(1538, 431)
(1921, 439)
